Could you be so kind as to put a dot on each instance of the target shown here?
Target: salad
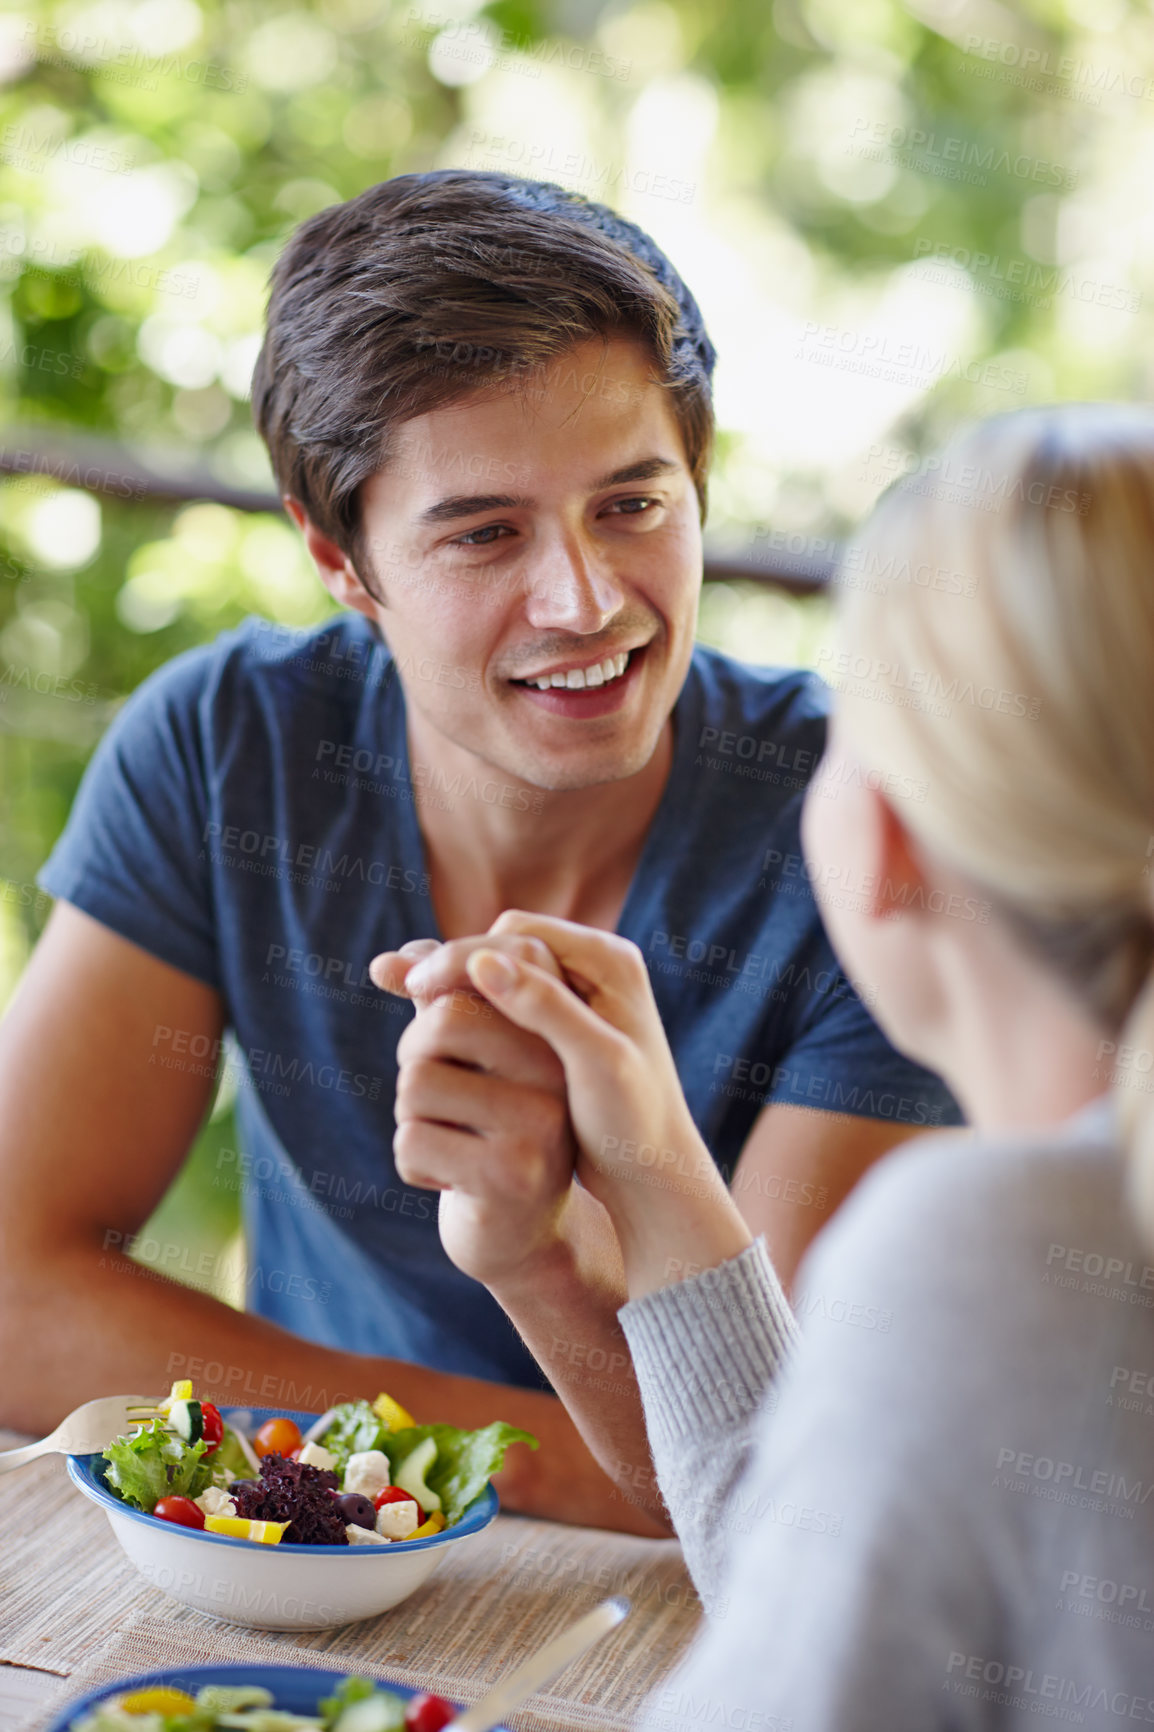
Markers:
(356, 1705)
(365, 1473)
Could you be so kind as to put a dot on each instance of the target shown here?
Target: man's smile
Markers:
(593, 688)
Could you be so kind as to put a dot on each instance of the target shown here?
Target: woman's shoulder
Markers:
(970, 1306)
(958, 1220)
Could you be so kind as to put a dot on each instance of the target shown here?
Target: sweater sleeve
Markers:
(855, 1563)
(707, 1352)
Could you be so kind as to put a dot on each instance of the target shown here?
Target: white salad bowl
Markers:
(274, 1587)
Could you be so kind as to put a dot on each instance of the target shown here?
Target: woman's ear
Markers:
(336, 569)
(898, 881)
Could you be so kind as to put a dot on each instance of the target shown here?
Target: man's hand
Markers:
(637, 1149)
(481, 1117)
(481, 1112)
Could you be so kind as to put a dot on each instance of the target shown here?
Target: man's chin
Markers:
(551, 775)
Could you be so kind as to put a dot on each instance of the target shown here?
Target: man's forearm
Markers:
(79, 1322)
(566, 1312)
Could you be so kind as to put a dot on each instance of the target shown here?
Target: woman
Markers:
(938, 1508)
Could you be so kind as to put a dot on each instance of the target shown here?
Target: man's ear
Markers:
(900, 882)
(336, 569)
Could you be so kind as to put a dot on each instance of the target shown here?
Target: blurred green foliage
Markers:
(835, 180)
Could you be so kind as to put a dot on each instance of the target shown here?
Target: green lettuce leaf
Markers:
(354, 1429)
(348, 1690)
(466, 1460)
(151, 1464)
(229, 1461)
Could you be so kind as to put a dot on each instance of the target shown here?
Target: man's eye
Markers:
(633, 507)
(482, 537)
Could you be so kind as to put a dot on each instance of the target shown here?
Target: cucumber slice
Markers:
(410, 1474)
(187, 1420)
(381, 1713)
(231, 1698)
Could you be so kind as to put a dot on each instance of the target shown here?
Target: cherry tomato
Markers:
(394, 1494)
(181, 1510)
(277, 1437)
(213, 1424)
(428, 1714)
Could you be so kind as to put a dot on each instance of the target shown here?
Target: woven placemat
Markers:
(152, 1644)
(70, 1601)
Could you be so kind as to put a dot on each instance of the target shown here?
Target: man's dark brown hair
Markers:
(428, 287)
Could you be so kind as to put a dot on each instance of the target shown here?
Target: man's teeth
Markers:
(577, 679)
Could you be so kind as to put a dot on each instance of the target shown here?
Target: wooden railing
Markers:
(105, 467)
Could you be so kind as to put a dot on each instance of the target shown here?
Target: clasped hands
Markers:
(535, 1085)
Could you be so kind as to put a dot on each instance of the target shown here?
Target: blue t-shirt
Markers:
(249, 818)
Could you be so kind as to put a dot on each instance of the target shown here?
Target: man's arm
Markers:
(92, 1131)
(798, 1166)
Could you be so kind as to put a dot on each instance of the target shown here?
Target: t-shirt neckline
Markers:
(684, 715)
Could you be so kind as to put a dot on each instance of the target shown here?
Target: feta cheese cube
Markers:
(368, 1473)
(398, 1520)
(364, 1536)
(213, 1501)
(317, 1456)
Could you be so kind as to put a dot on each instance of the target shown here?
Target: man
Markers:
(487, 405)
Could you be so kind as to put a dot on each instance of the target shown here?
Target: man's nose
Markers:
(570, 589)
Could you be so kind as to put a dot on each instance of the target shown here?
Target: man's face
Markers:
(529, 535)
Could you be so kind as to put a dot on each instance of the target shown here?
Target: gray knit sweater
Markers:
(940, 1512)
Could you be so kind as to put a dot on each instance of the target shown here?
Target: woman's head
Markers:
(995, 672)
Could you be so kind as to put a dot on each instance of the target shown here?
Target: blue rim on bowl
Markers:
(296, 1689)
(87, 1474)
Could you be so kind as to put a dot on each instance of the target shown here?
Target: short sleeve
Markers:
(132, 854)
(841, 1062)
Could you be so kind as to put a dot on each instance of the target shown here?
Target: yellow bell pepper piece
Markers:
(157, 1699)
(180, 1392)
(433, 1525)
(240, 1528)
(391, 1414)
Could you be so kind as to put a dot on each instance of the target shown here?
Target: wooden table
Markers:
(74, 1613)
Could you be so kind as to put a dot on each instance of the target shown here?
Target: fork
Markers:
(87, 1430)
(540, 1668)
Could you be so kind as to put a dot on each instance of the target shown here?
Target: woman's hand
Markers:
(639, 1152)
(426, 969)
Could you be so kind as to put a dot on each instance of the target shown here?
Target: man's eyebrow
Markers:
(648, 469)
(469, 504)
(473, 504)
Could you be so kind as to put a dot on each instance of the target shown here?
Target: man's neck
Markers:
(493, 842)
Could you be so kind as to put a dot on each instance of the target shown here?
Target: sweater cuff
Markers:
(706, 1350)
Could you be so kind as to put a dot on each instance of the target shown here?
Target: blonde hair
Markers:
(996, 645)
